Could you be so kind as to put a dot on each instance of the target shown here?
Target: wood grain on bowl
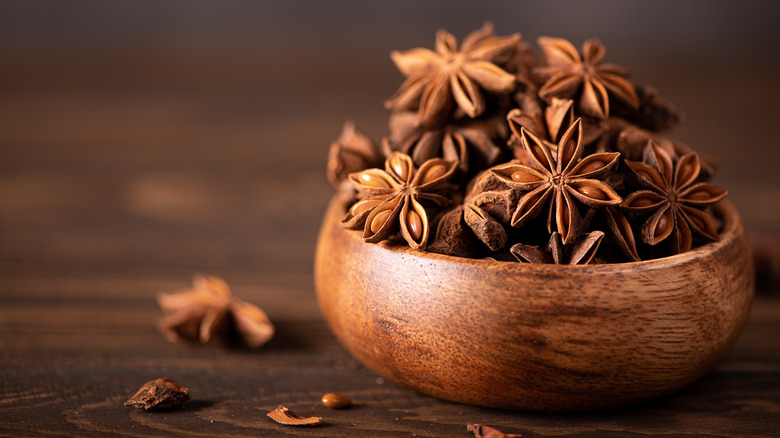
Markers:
(534, 337)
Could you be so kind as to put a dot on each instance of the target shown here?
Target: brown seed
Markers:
(159, 394)
(662, 225)
(699, 195)
(641, 202)
(593, 166)
(335, 401)
(415, 225)
(645, 177)
(379, 220)
(400, 167)
(433, 172)
(364, 205)
(592, 192)
(370, 180)
(524, 177)
(684, 174)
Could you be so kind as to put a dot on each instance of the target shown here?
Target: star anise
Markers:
(672, 198)
(209, 311)
(562, 182)
(581, 252)
(632, 140)
(471, 143)
(391, 199)
(351, 152)
(621, 234)
(548, 125)
(568, 74)
(439, 81)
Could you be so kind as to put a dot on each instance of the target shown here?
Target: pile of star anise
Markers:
(495, 152)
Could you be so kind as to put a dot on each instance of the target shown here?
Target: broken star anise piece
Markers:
(672, 198)
(392, 199)
(548, 125)
(581, 252)
(162, 393)
(282, 415)
(438, 82)
(209, 311)
(483, 431)
(585, 78)
(621, 232)
(562, 182)
(351, 152)
(471, 143)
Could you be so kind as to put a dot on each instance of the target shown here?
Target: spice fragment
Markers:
(159, 394)
(282, 415)
(482, 431)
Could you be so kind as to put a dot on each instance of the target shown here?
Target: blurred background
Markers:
(159, 138)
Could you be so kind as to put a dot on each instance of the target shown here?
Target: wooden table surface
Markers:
(123, 174)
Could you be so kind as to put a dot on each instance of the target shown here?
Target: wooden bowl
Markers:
(534, 337)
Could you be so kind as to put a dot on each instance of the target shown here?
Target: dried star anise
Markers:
(565, 120)
(581, 252)
(210, 311)
(621, 233)
(391, 199)
(563, 182)
(569, 74)
(632, 140)
(471, 143)
(548, 125)
(439, 81)
(672, 198)
(353, 151)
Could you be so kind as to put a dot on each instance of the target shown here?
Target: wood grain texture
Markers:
(535, 337)
(124, 172)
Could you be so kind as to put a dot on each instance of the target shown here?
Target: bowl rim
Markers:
(725, 210)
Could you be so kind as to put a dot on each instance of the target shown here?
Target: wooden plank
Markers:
(117, 183)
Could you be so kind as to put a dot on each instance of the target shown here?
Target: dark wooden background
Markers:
(145, 141)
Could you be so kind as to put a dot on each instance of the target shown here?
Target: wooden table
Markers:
(123, 174)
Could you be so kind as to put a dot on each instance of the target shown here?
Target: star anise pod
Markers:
(655, 112)
(438, 82)
(632, 140)
(470, 143)
(581, 252)
(548, 125)
(353, 151)
(210, 311)
(391, 199)
(583, 77)
(621, 233)
(673, 199)
(562, 182)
